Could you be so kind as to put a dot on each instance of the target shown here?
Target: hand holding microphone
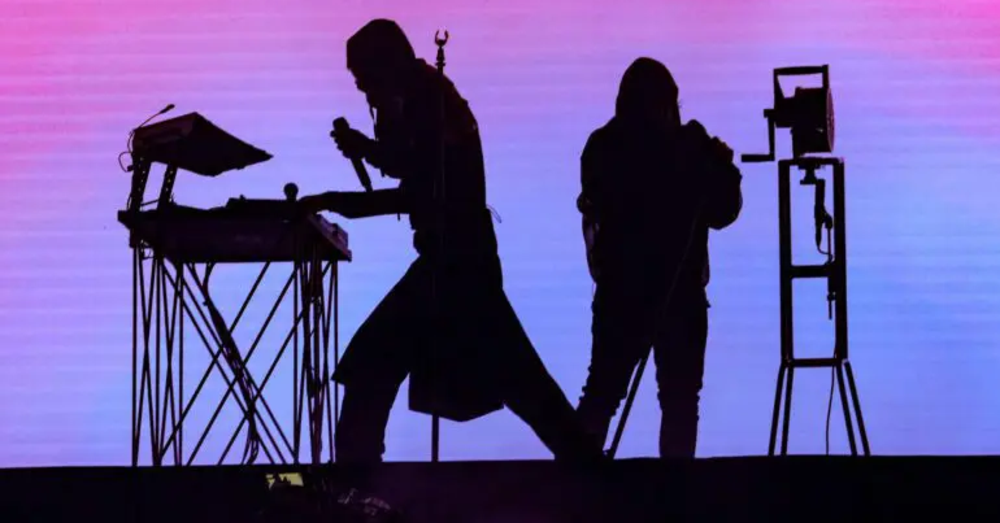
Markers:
(354, 145)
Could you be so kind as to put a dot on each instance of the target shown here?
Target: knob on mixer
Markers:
(291, 191)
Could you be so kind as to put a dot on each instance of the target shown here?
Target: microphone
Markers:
(340, 125)
(167, 109)
(822, 218)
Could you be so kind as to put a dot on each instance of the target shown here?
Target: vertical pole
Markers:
(441, 198)
(336, 337)
(181, 282)
(785, 262)
(315, 295)
(839, 285)
(327, 382)
(435, 438)
(848, 425)
(307, 363)
(857, 409)
(154, 430)
(785, 275)
(336, 347)
(144, 400)
(840, 220)
(167, 189)
(788, 408)
(135, 349)
(296, 406)
(777, 408)
(840, 259)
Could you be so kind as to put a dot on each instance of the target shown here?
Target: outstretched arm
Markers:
(357, 204)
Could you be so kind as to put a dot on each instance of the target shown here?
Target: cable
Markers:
(121, 164)
(828, 225)
(829, 410)
(128, 150)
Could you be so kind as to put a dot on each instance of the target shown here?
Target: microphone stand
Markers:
(439, 196)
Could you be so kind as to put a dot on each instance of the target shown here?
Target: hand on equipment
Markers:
(352, 143)
(316, 202)
(717, 149)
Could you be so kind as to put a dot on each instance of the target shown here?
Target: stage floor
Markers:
(726, 489)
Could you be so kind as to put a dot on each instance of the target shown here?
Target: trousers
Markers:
(624, 327)
(497, 357)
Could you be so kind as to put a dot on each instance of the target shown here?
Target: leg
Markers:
(531, 393)
(619, 340)
(680, 363)
(360, 436)
(375, 364)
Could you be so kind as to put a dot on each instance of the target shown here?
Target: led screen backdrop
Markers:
(917, 93)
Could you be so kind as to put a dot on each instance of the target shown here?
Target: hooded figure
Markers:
(651, 190)
(447, 324)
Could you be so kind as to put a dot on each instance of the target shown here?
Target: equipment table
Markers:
(174, 252)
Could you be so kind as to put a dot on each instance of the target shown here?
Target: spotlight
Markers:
(808, 113)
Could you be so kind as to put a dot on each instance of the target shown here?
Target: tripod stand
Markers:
(835, 273)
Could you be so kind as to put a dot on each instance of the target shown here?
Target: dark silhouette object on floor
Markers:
(447, 323)
(651, 190)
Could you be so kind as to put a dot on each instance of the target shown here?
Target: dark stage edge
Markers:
(725, 489)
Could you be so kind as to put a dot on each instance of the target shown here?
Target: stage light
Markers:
(808, 114)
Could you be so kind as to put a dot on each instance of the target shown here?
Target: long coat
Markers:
(447, 320)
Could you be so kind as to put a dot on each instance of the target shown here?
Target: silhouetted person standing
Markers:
(652, 188)
(468, 355)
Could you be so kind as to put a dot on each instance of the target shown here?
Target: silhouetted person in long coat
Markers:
(447, 323)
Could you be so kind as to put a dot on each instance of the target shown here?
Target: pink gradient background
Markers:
(917, 87)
